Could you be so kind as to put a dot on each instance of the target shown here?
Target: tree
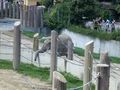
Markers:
(81, 9)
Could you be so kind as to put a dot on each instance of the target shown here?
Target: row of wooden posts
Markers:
(30, 16)
(57, 79)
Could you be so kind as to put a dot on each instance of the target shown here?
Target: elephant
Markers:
(62, 45)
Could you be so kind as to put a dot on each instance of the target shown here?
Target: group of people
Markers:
(104, 25)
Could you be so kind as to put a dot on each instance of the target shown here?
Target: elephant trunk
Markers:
(42, 50)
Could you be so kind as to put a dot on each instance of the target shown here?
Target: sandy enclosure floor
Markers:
(11, 80)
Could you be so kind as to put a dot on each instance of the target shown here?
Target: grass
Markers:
(93, 33)
(27, 69)
(31, 34)
(41, 73)
(72, 79)
(80, 52)
(28, 34)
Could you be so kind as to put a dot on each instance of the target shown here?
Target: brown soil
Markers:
(11, 80)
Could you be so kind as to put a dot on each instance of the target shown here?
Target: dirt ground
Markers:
(11, 80)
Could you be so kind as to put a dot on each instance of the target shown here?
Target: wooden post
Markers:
(10, 10)
(16, 46)
(65, 65)
(32, 16)
(21, 14)
(104, 70)
(35, 17)
(70, 50)
(88, 64)
(29, 16)
(40, 11)
(41, 18)
(53, 66)
(118, 86)
(36, 42)
(2, 14)
(38, 15)
(17, 11)
(25, 18)
(101, 85)
(14, 10)
(6, 9)
(59, 82)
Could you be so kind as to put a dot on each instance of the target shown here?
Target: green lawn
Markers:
(41, 73)
(29, 34)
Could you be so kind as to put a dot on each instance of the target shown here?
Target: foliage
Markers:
(104, 13)
(82, 8)
(47, 3)
(58, 16)
(76, 12)
(29, 34)
(118, 8)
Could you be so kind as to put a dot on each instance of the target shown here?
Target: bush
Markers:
(58, 17)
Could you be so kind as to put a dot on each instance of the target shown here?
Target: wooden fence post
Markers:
(59, 82)
(21, 14)
(32, 16)
(17, 11)
(104, 70)
(40, 11)
(36, 42)
(70, 50)
(88, 65)
(38, 15)
(65, 65)
(29, 16)
(10, 10)
(25, 16)
(14, 10)
(6, 9)
(100, 77)
(2, 14)
(16, 46)
(35, 17)
(53, 66)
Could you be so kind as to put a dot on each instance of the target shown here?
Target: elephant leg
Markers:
(39, 60)
(37, 55)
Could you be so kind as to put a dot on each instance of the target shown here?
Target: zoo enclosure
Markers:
(18, 15)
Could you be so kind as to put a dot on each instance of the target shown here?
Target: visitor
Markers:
(113, 25)
(103, 25)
